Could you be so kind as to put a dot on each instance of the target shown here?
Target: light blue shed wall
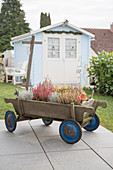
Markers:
(37, 64)
(62, 28)
(85, 53)
(22, 52)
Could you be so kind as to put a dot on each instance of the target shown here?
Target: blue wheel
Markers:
(47, 122)
(10, 121)
(70, 131)
(94, 124)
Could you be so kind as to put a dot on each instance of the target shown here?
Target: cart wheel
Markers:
(47, 122)
(70, 131)
(94, 123)
(10, 121)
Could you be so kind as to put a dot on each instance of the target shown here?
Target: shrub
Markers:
(101, 68)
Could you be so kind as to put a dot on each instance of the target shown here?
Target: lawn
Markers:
(6, 90)
(105, 114)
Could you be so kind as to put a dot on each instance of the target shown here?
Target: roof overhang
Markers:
(28, 35)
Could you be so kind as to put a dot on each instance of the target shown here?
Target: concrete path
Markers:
(34, 146)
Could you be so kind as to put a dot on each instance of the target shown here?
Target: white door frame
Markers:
(62, 51)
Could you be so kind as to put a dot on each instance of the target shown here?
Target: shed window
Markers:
(70, 48)
(53, 48)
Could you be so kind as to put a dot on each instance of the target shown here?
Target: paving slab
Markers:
(55, 143)
(42, 130)
(106, 154)
(98, 139)
(2, 125)
(36, 146)
(77, 160)
(35, 161)
(22, 140)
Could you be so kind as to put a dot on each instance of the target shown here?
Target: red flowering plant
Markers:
(43, 91)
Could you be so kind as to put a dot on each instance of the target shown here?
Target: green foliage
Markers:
(101, 68)
(45, 20)
(61, 32)
(6, 90)
(12, 23)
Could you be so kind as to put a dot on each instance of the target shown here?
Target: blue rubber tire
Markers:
(70, 131)
(10, 121)
(47, 122)
(94, 124)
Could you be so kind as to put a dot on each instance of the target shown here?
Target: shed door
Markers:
(61, 56)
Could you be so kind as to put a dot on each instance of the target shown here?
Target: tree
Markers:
(45, 20)
(12, 23)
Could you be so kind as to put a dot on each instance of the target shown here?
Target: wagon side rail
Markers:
(15, 103)
(80, 112)
(95, 104)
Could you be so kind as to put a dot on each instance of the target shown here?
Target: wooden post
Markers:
(32, 42)
(30, 62)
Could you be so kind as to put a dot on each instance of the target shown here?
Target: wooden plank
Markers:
(30, 61)
(72, 111)
(29, 42)
(46, 109)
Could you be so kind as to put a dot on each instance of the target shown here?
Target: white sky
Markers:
(81, 13)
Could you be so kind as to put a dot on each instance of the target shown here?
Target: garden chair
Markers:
(16, 73)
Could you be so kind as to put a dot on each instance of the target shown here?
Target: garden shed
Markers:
(63, 55)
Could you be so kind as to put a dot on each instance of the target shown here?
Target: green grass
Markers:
(105, 114)
(6, 90)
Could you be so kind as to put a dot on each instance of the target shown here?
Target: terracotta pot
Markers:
(83, 97)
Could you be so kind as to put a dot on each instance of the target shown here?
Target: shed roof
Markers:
(103, 39)
(27, 35)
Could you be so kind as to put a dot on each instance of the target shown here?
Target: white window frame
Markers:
(45, 46)
(78, 44)
(50, 50)
(68, 48)
(62, 50)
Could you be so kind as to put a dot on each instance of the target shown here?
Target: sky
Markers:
(81, 13)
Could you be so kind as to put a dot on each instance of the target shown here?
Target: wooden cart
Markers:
(73, 117)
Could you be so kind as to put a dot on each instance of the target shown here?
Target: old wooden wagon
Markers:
(73, 117)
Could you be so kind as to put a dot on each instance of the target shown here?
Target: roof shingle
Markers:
(103, 39)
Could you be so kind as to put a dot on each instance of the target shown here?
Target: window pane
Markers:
(57, 55)
(70, 48)
(49, 55)
(50, 41)
(56, 40)
(53, 47)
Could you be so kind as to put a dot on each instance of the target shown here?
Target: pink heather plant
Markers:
(43, 91)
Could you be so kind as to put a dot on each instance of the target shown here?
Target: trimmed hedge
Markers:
(101, 69)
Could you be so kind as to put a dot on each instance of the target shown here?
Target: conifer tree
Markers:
(45, 19)
(12, 23)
